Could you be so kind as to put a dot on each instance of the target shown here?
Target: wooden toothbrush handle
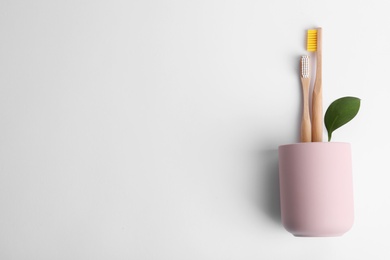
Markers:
(317, 115)
(305, 121)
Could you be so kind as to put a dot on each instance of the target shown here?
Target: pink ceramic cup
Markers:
(316, 193)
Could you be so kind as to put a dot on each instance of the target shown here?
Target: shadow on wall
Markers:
(268, 191)
(269, 185)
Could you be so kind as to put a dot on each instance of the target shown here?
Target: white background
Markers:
(149, 129)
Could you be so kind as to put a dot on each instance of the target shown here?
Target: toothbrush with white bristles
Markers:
(305, 79)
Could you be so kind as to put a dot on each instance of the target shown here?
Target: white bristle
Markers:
(305, 66)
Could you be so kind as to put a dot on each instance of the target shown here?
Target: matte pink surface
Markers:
(316, 188)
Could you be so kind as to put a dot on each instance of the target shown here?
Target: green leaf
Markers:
(340, 112)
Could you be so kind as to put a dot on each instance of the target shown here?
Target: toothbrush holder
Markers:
(316, 191)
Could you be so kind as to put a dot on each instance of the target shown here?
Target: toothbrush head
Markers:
(305, 66)
(312, 40)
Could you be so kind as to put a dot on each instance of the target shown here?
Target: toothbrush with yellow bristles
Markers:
(314, 44)
(305, 80)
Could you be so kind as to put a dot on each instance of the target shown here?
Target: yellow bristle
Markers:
(311, 40)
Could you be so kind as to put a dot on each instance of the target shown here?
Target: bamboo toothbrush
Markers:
(305, 80)
(314, 43)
